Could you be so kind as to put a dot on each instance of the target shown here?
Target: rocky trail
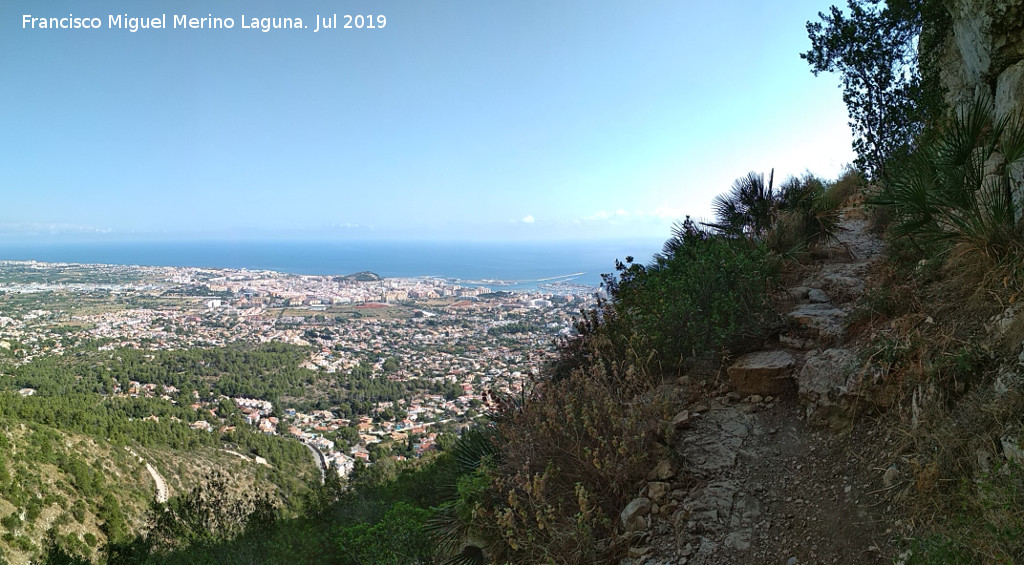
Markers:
(771, 469)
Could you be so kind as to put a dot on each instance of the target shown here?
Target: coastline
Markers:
(503, 266)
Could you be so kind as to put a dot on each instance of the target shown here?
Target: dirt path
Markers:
(158, 479)
(757, 482)
(161, 485)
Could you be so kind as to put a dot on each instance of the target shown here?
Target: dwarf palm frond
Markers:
(451, 527)
(958, 186)
(749, 208)
(685, 235)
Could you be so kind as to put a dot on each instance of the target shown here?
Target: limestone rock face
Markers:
(764, 372)
(954, 76)
(985, 52)
(1010, 90)
(984, 55)
(989, 35)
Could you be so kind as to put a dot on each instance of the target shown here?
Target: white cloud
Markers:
(529, 219)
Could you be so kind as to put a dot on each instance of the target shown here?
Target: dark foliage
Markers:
(874, 49)
(956, 189)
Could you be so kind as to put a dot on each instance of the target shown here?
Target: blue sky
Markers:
(461, 119)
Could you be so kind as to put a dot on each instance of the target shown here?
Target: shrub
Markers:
(849, 184)
(398, 539)
(808, 216)
(801, 214)
(569, 459)
(956, 189)
(702, 296)
(12, 521)
(705, 293)
(750, 208)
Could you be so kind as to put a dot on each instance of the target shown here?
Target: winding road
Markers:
(321, 464)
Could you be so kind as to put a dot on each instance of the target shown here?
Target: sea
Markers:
(501, 265)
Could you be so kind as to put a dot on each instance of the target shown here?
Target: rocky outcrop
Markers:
(828, 384)
(985, 53)
(1009, 96)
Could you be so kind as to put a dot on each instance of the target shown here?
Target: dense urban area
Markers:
(438, 350)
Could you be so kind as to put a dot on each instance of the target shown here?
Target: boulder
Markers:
(799, 292)
(827, 379)
(681, 420)
(817, 295)
(1012, 450)
(633, 514)
(657, 490)
(763, 372)
(662, 471)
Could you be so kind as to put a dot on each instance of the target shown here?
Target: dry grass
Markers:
(571, 457)
(849, 188)
(933, 336)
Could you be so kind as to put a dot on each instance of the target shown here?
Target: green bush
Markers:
(849, 184)
(808, 215)
(802, 213)
(705, 293)
(11, 521)
(956, 189)
(398, 539)
(749, 209)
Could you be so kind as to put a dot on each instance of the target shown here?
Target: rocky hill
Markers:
(81, 493)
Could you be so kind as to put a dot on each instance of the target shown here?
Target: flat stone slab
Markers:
(850, 287)
(819, 296)
(763, 372)
(824, 318)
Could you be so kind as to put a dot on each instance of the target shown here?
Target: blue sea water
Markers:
(526, 264)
